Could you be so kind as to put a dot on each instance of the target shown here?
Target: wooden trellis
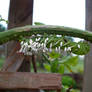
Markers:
(15, 72)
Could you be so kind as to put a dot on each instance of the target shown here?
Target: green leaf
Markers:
(38, 23)
(65, 45)
(57, 43)
(68, 81)
(54, 66)
(73, 60)
(61, 69)
(70, 60)
(64, 88)
(71, 44)
(64, 59)
(47, 67)
(54, 54)
(46, 58)
(75, 90)
(68, 67)
(43, 38)
(81, 48)
(51, 40)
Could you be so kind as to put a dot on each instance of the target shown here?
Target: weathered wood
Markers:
(20, 14)
(34, 63)
(19, 80)
(13, 61)
(87, 86)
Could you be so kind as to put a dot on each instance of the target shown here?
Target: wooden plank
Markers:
(13, 61)
(19, 80)
(87, 86)
(20, 14)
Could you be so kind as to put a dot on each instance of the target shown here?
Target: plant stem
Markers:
(16, 33)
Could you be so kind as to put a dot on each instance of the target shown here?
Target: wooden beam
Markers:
(31, 81)
(13, 61)
(20, 14)
(87, 87)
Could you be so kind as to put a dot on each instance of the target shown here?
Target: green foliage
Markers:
(54, 66)
(54, 54)
(2, 28)
(65, 88)
(46, 58)
(58, 64)
(69, 81)
(38, 23)
(62, 43)
(1, 19)
(61, 69)
(81, 48)
(70, 60)
(56, 43)
(47, 67)
(75, 90)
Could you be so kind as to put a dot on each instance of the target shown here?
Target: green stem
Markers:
(16, 33)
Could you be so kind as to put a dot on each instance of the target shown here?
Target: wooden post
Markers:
(20, 14)
(87, 87)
